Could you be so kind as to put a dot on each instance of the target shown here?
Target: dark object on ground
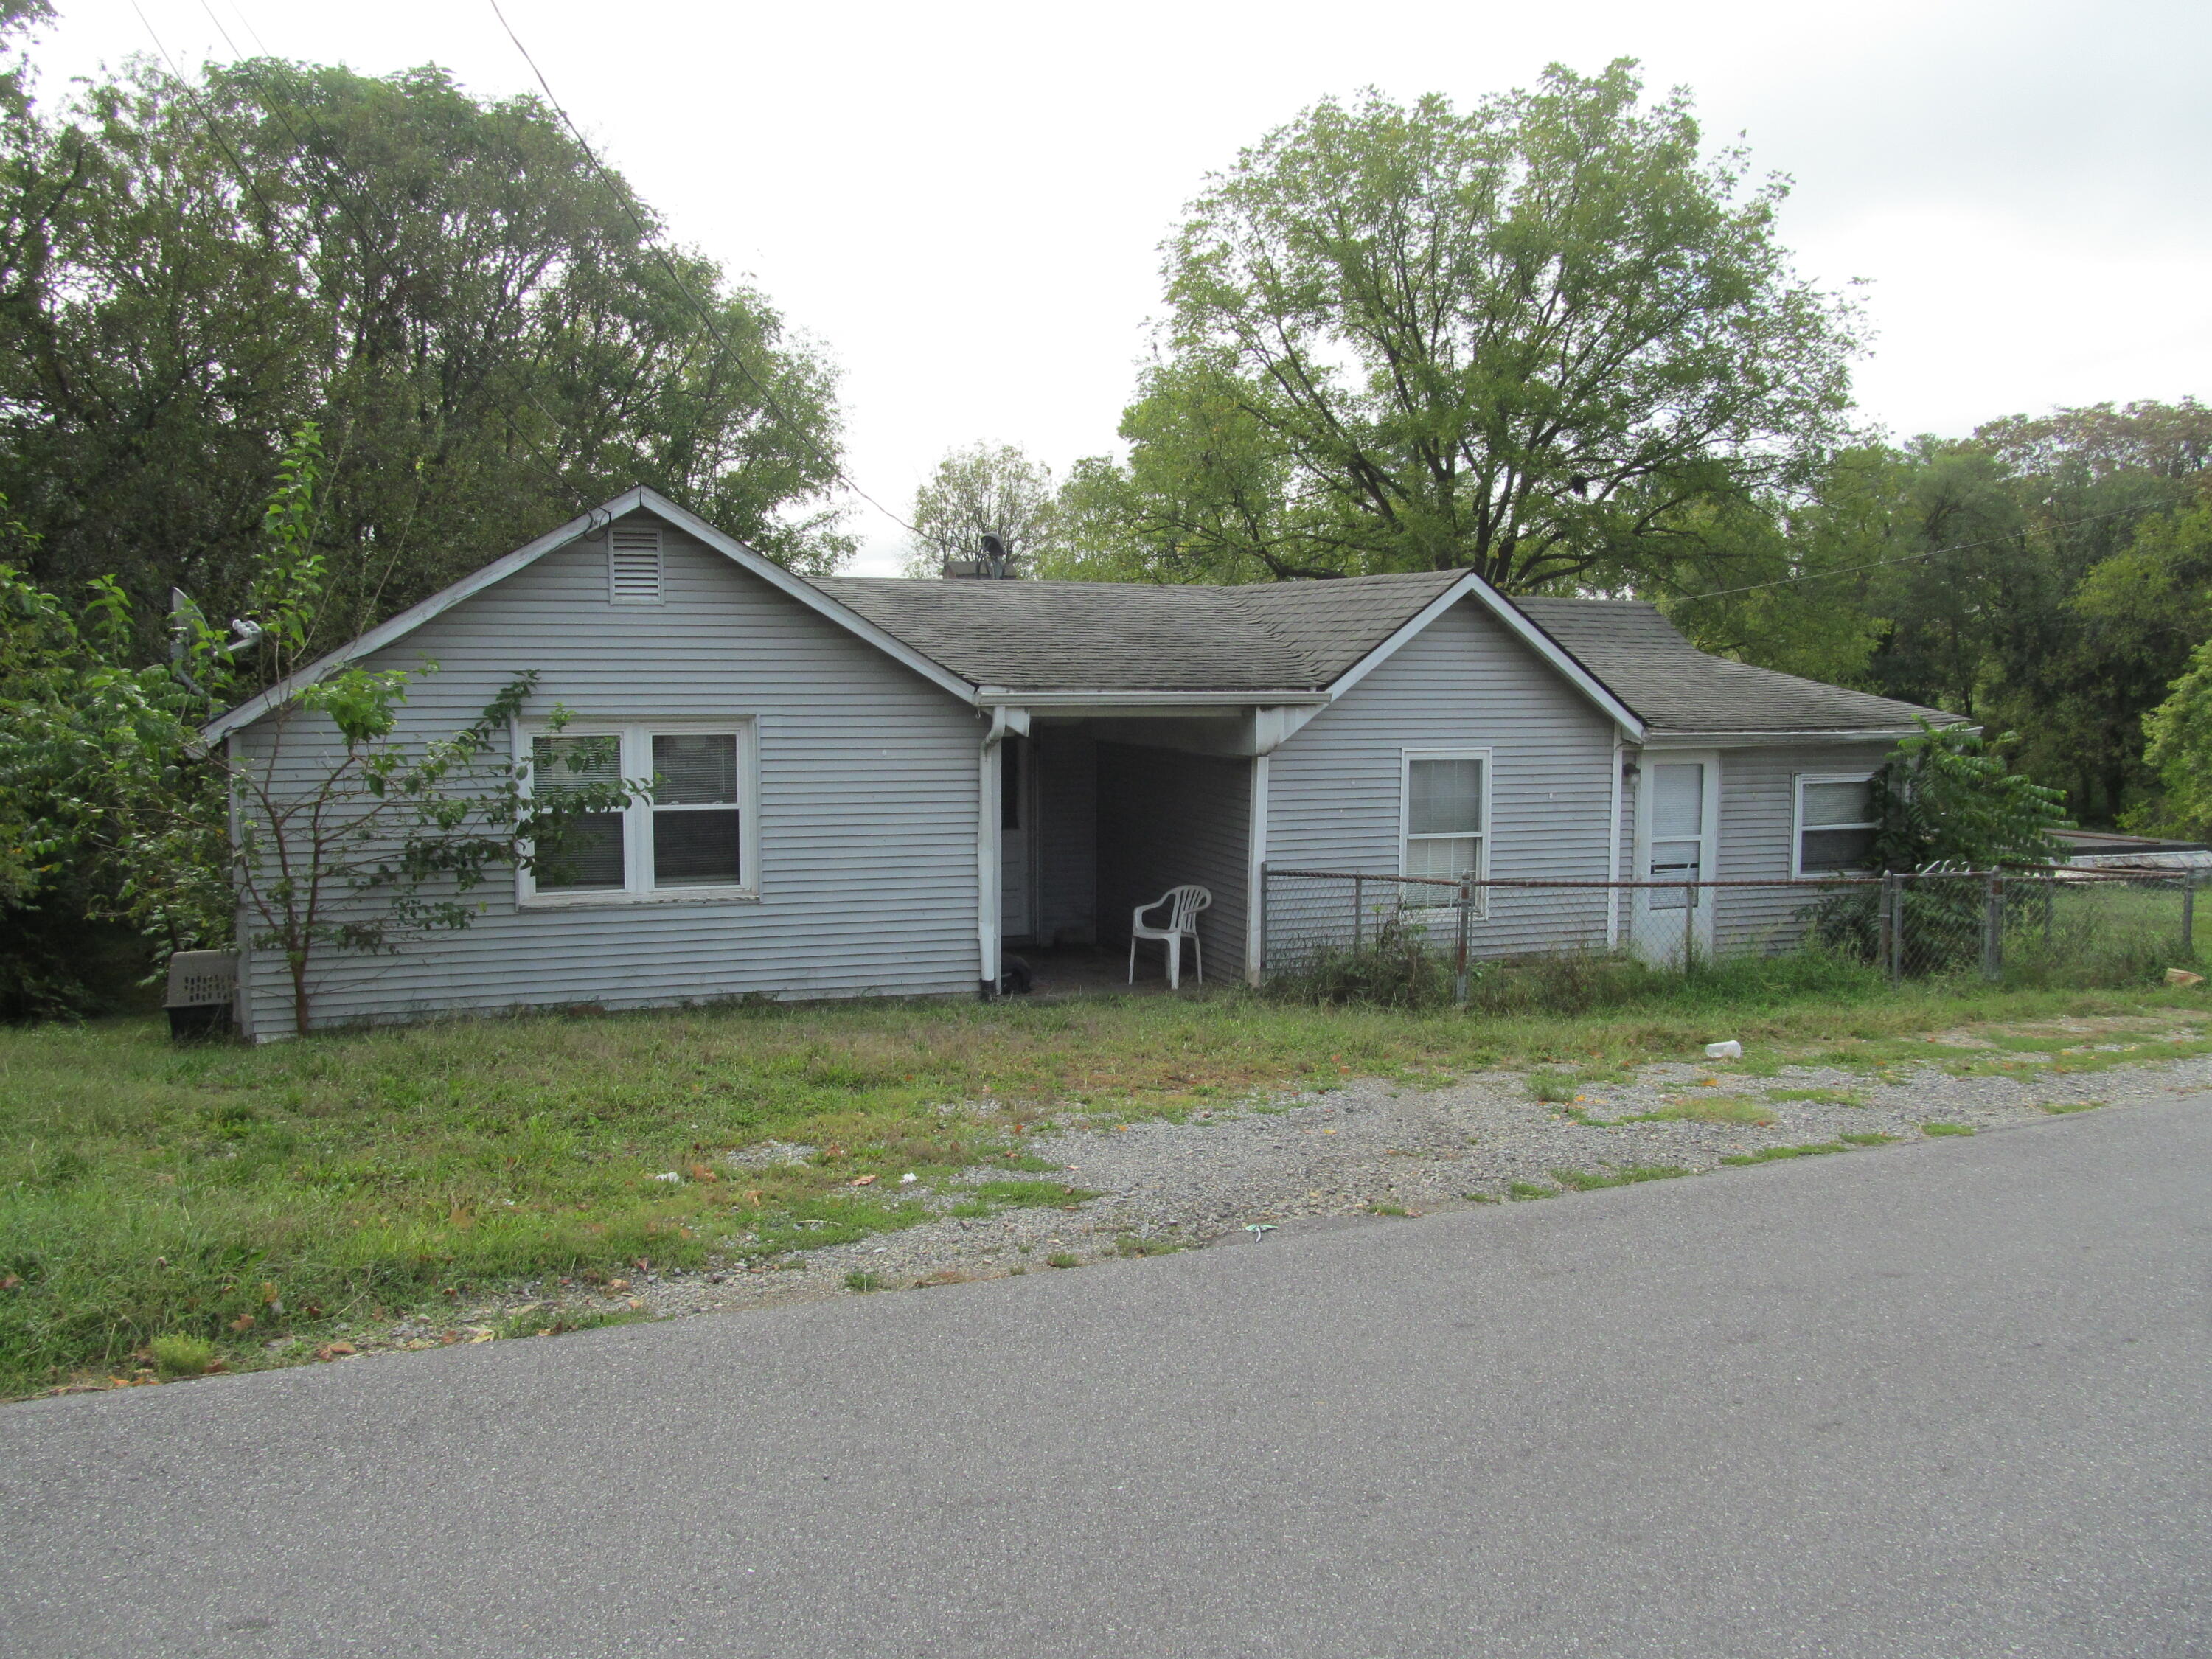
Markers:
(1017, 978)
(203, 994)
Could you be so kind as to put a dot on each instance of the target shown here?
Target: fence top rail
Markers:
(1551, 883)
(1548, 883)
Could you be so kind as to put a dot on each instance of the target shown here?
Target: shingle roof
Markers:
(1121, 637)
(1113, 636)
(1645, 661)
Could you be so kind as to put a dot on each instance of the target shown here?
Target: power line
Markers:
(706, 313)
(1902, 558)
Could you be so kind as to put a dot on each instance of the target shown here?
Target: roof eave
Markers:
(1660, 736)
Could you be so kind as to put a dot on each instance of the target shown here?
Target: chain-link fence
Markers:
(1351, 933)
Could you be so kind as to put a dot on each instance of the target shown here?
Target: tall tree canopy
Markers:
(1545, 338)
(475, 317)
(2050, 576)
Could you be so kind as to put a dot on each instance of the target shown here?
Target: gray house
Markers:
(871, 786)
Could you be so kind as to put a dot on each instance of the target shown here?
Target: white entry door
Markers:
(1014, 838)
(1678, 809)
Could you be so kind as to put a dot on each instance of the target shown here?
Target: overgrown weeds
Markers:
(1395, 966)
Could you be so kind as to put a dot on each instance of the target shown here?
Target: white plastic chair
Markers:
(1182, 905)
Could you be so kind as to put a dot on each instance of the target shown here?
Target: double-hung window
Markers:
(689, 834)
(1835, 823)
(1445, 810)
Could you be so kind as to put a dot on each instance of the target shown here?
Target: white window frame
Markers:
(636, 738)
(1482, 838)
(1798, 826)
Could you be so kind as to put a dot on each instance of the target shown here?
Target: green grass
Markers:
(1586, 1180)
(559, 1322)
(238, 1196)
(1553, 1087)
(858, 1280)
(184, 1356)
(1710, 1108)
(2060, 1107)
(1818, 1097)
(1947, 1129)
(1034, 1194)
(1775, 1154)
(1063, 1259)
(1526, 1189)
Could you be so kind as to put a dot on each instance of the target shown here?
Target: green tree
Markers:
(1544, 338)
(2047, 575)
(2180, 731)
(445, 284)
(984, 490)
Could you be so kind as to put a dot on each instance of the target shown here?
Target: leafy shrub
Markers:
(1944, 805)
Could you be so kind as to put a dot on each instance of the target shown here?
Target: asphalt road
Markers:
(1949, 1400)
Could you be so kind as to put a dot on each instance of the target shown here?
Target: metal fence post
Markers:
(2189, 913)
(1466, 902)
(1358, 913)
(1893, 898)
(1882, 924)
(1993, 929)
(1260, 968)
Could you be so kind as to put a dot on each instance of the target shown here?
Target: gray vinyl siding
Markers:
(1758, 819)
(1066, 846)
(1168, 819)
(1463, 682)
(865, 828)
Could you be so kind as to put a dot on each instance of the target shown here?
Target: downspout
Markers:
(1004, 723)
(1272, 727)
(1255, 897)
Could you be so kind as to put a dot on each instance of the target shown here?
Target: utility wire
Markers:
(706, 313)
(1902, 558)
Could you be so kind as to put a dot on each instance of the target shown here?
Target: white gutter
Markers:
(991, 695)
(1755, 740)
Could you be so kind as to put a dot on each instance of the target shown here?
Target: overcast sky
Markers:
(964, 201)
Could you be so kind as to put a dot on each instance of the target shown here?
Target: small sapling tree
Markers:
(327, 828)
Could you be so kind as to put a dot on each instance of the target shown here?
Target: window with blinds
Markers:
(695, 809)
(588, 856)
(685, 832)
(1836, 824)
(633, 564)
(1447, 816)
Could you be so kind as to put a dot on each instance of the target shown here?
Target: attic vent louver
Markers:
(633, 564)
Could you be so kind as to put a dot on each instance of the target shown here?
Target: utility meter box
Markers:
(203, 995)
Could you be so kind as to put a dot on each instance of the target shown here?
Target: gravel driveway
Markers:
(1369, 1151)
